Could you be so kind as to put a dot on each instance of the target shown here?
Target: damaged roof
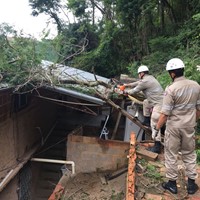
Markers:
(65, 74)
(76, 94)
(70, 81)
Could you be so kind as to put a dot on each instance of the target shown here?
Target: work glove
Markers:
(154, 133)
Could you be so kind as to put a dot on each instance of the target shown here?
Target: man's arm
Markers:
(141, 86)
(161, 121)
(134, 84)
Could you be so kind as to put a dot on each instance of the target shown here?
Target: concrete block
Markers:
(92, 154)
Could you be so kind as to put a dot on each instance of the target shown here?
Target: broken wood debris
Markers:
(148, 155)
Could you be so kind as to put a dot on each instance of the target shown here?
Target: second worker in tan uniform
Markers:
(180, 110)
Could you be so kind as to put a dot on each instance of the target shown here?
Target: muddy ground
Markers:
(149, 176)
(91, 187)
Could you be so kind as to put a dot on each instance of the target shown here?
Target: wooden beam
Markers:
(148, 155)
(118, 120)
(13, 172)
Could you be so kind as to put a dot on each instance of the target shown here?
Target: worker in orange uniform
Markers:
(153, 92)
(180, 111)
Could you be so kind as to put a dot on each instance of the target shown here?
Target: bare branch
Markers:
(98, 7)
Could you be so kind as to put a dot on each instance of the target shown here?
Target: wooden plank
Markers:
(118, 120)
(13, 172)
(147, 154)
(130, 184)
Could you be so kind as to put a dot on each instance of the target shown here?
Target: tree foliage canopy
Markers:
(112, 37)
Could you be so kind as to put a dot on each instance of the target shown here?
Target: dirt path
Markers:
(91, 187)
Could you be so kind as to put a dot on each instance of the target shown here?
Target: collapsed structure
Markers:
(53, 129)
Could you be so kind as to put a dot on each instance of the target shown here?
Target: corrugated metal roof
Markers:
(63, 73)
(4, 86)
(66, 73)
(75, 94)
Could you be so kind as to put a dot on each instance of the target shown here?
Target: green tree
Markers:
(129, 33)
(18, 55)
(50, 7)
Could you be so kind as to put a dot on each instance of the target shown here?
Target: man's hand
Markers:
(154, 133)
(118, 91)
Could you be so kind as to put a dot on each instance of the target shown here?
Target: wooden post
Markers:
(118, 120)
(130, 186)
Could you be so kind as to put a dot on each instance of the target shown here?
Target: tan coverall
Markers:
(153, 92)
(154, 120)
(181, 100)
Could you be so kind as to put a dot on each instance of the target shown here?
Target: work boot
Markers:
(170, 186)
(146, 121)
(156, 148)
(192, 187)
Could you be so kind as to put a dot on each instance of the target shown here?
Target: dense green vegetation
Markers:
(126, 33)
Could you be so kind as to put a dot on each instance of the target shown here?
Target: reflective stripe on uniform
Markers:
(165, 107)
(184, 106)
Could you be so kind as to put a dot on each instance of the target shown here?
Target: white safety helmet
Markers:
(143, 68)
(174, 63)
